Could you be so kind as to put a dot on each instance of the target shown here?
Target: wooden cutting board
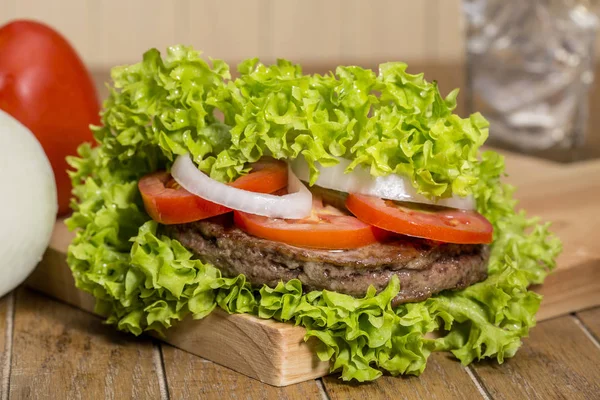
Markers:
(275, 353)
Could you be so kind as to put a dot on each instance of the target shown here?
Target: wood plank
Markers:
(55, 281)
(433, 20)
(569, 289)
(8, 11)
(557, 361)
(591, 320)
(537, 169)
(4, 347)
(228, 29)
(270, 351)
(72, 24)
(135, 26)
(376, 31)
(62, 352)
(157, 25)
(306, 31)
(450, 42)
(444, 378)
(311, 31)
(568, 199)
(542, 186)
(191, 377)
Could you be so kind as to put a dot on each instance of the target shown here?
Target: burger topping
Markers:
(296, 204)
(430, 222)
(169, 203)
(343, 178)
(326, 228)
(193, 196)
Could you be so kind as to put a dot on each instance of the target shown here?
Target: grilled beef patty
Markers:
(423, 266)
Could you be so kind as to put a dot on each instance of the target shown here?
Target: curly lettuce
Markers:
(392, 122)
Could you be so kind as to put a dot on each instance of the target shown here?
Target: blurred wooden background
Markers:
(315, 32)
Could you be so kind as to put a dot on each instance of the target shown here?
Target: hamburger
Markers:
(355, 204)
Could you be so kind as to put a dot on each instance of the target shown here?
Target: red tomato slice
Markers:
(326, 228)
(430, 222)
(168, 203)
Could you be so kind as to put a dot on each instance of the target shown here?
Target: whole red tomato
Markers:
(44, 84)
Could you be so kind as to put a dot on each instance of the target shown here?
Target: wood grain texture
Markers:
(62, 352)
(450, 43)
(570, 216)
(569, 289)
(76, 29)
(306, 31)
(4, 348)
(191, 377)
(542, 188)
(229, 29)
(8, 10)
(377, 31)
(557, 361)
(121, 31)
(591, 320)
(55, 280)
(521, 170)
(114, 32)
(270, 351)
(443, 379)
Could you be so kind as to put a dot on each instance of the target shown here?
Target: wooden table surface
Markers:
(52, 350)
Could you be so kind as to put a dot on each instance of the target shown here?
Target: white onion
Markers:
(391, 187)
(28, 202)
(295, 205)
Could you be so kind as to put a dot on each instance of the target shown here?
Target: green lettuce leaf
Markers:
(392, 123)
